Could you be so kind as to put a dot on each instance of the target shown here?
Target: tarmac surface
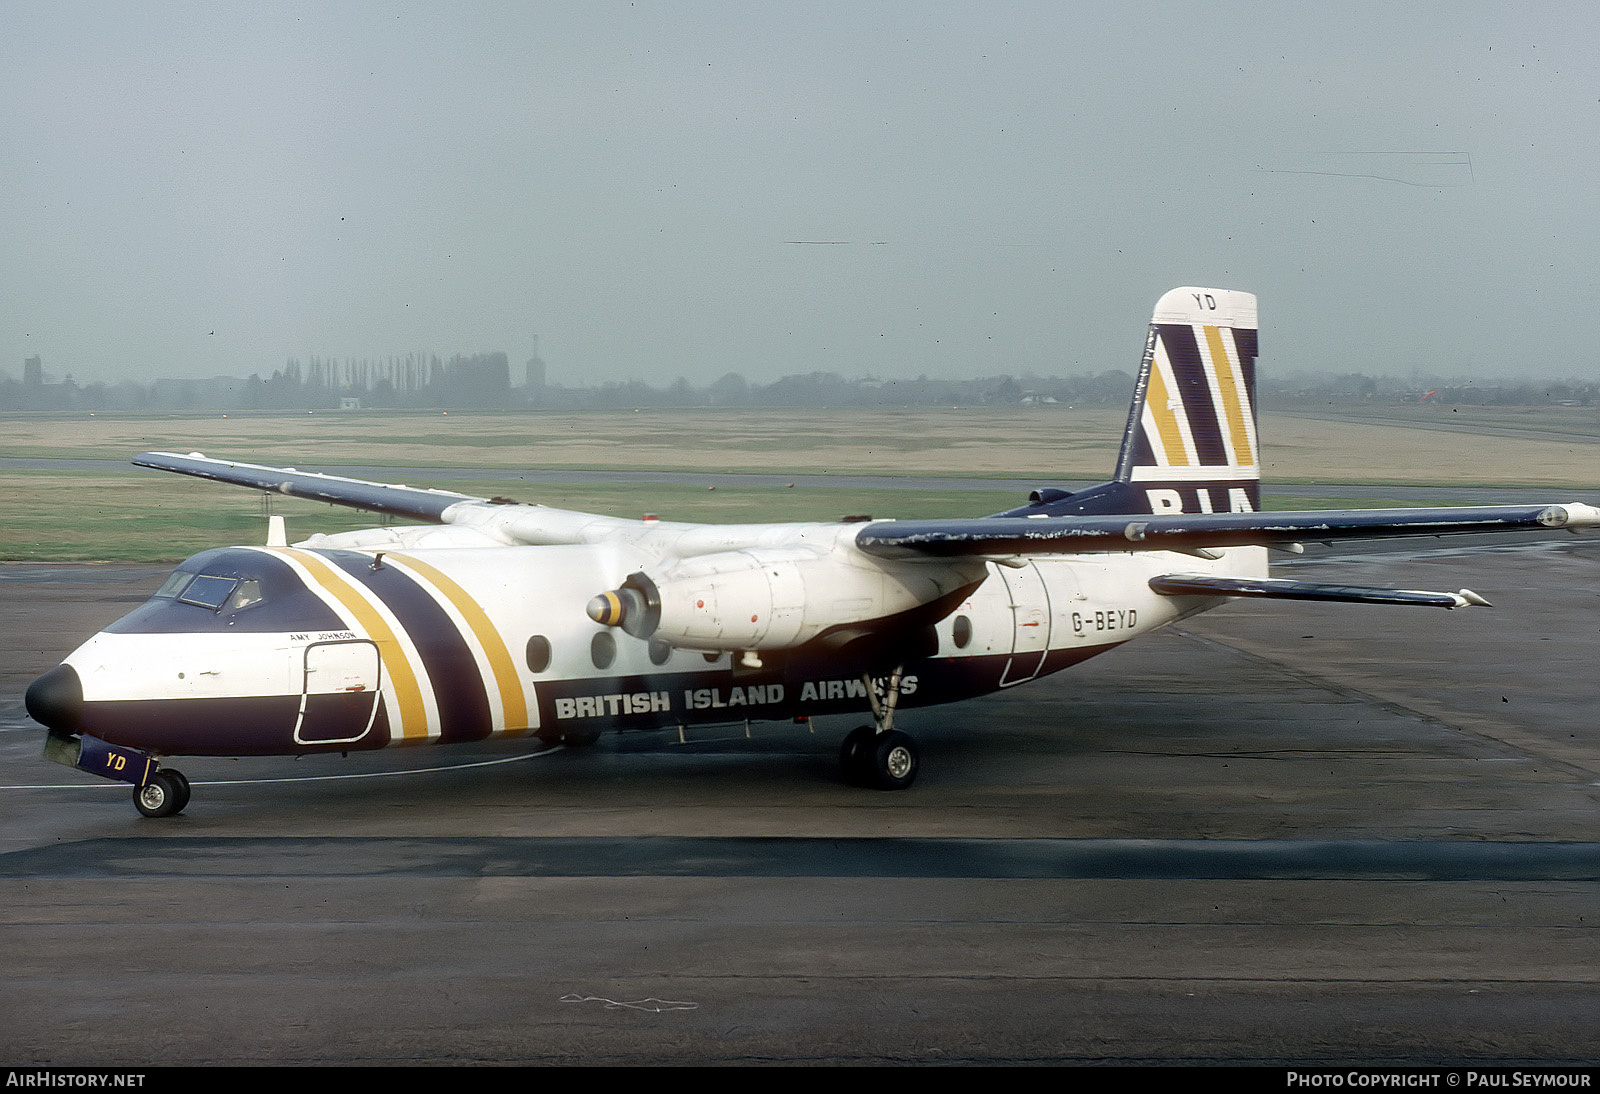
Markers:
(1275, 833)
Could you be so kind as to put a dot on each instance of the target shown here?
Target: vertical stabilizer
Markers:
(1190, 445)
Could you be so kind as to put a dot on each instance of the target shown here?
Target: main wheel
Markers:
(893, 763)
(162, 796)
(854, 756)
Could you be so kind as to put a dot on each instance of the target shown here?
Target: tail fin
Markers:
(1190, 445)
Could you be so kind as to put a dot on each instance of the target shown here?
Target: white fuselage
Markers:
(356, 648)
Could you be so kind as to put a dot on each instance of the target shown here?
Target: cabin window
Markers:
(961, 632)
(659, 652)
(603, 650)
(538, 653)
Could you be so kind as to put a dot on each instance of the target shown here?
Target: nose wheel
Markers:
(165, 795)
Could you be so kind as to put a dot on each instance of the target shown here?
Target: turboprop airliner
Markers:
(504, 620)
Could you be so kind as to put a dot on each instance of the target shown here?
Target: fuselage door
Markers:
(1030, 611)
(340, 698)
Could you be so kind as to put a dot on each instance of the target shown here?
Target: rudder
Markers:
(1190, 444)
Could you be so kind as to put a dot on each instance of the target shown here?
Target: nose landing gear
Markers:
(157, 791)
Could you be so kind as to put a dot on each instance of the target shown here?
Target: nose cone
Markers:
(605, 609)
(55, 700)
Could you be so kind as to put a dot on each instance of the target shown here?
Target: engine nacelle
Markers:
(771, 598)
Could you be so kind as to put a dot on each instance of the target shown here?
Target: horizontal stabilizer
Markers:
(1274, 588)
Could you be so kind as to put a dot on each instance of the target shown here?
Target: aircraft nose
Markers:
(55, 700)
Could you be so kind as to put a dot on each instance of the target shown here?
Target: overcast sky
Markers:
(655, 189)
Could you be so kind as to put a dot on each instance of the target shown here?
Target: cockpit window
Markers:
(214, 591)
(231, 590)
(208, 591)
(174, 584)
(248, 593)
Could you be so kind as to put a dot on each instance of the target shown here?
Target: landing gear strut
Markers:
(165, 795)
(880, 755)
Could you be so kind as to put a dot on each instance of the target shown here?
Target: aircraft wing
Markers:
(1004, 537)
(399, 501)
(487, 521)
(981, 537)
(1277, 588)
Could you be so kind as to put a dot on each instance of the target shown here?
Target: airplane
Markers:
(502, 620)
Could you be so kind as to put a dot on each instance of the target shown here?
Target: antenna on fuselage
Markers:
(277, 534)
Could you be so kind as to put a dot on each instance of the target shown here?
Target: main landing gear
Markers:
(880, 755)
(165, 795)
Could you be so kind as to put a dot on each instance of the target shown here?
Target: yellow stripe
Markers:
(1232, 399)
(408, 693)
(512, 698)
(1159, 403)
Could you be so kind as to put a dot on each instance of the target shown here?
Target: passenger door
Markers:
(1030, 611)
(340, 696)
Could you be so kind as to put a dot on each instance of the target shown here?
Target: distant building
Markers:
(33, 372)
(533, 380)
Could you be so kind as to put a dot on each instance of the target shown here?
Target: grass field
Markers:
(1583, 421)
(146, 515)
(1531, 446)
(976, 442)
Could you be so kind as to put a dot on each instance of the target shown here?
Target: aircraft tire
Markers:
(855, 756)
(894, 761)
(161, 796)
(181, 783)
